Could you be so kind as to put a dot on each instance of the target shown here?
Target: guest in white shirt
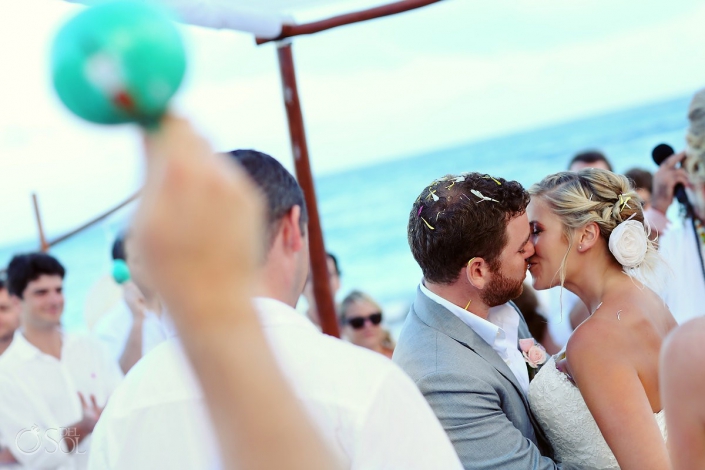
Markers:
(368, 411)
(9, 322)
(138, 323)
(53, 384)
(9, 318)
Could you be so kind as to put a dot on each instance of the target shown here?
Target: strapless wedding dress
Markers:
(569, 426)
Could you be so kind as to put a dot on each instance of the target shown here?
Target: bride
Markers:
(599, 401)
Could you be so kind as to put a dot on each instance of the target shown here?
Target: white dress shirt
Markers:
(114, 327)
(366, 408)
(684, 289)
(500, 331)
(39, 397)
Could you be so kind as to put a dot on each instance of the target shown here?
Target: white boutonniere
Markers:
(534, 355)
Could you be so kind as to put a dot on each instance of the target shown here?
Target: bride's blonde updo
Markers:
(599, 196)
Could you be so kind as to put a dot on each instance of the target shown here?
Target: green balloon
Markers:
(118, 62)
(121, 273)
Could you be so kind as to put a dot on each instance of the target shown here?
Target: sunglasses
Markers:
(359, 322)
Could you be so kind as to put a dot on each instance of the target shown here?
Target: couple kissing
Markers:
(469, 350)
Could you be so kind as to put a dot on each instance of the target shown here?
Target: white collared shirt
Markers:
(369, 411)
(39, 397)
(500, 331)
(113, 329)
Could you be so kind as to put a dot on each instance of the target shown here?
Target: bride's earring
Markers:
(580, 247)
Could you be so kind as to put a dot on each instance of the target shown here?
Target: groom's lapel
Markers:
(441, 319)
(525, 333)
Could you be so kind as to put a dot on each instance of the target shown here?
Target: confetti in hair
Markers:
(488, 177)
(471, 260)
(623, 200)
(419, 212)
(427, 224)
(482, 196)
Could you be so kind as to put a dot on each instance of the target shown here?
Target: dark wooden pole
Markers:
(43, 245)
(292, 30)
(319, 263)
(93, 221)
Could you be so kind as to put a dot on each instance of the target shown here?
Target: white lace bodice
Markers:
(569, 426)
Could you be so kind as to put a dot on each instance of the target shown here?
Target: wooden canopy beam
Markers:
(289, 31)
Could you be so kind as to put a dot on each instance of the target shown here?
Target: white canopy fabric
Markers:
(263, 18)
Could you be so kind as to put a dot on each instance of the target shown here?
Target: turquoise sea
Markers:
(364, 211)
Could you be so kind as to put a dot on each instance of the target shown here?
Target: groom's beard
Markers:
(501, 289)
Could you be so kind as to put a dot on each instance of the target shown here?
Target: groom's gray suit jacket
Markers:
(474, 394)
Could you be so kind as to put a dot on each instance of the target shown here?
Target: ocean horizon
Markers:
(364, 211)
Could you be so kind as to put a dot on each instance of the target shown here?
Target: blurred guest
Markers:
(158, 417)
(137, 324)
(682, 245)
(9, 322)
(642, 180)
(528, 305)
(362, 319)
(259, 422)
(53, 384)
(333, 278)
(682, 390)
(9, 318)
(589, 159)
(670, 174)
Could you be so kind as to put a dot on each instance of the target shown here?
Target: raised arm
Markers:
(200, 223)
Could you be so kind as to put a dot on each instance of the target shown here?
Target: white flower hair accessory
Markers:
(628, 243)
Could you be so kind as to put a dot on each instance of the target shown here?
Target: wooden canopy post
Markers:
(319, 263)
(43, 244)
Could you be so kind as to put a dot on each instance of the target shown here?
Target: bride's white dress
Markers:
(565, 418)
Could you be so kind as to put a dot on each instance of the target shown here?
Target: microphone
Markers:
(660, 153)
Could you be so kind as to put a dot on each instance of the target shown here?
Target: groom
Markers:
(470, 234)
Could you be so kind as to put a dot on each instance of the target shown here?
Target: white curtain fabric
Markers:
(263, 18)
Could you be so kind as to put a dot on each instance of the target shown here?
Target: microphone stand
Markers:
(689, 212)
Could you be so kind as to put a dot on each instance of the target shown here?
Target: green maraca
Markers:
(118, 62)
(121, 273)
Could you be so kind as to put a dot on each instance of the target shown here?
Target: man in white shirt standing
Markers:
(9, 322)
(367, 410)
(460, 342)
(53, 384)
(139, 323)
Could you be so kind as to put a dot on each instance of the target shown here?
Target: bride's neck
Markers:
(592, 278)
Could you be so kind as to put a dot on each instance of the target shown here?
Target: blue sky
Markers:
(450, 73)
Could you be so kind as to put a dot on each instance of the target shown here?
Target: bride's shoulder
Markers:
(598, 336)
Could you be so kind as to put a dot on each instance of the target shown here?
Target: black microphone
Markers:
(660, 153)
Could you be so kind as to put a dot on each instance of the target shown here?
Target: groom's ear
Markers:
(478, 272)
(588, 236)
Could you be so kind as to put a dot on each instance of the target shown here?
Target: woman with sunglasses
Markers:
(361, 317)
